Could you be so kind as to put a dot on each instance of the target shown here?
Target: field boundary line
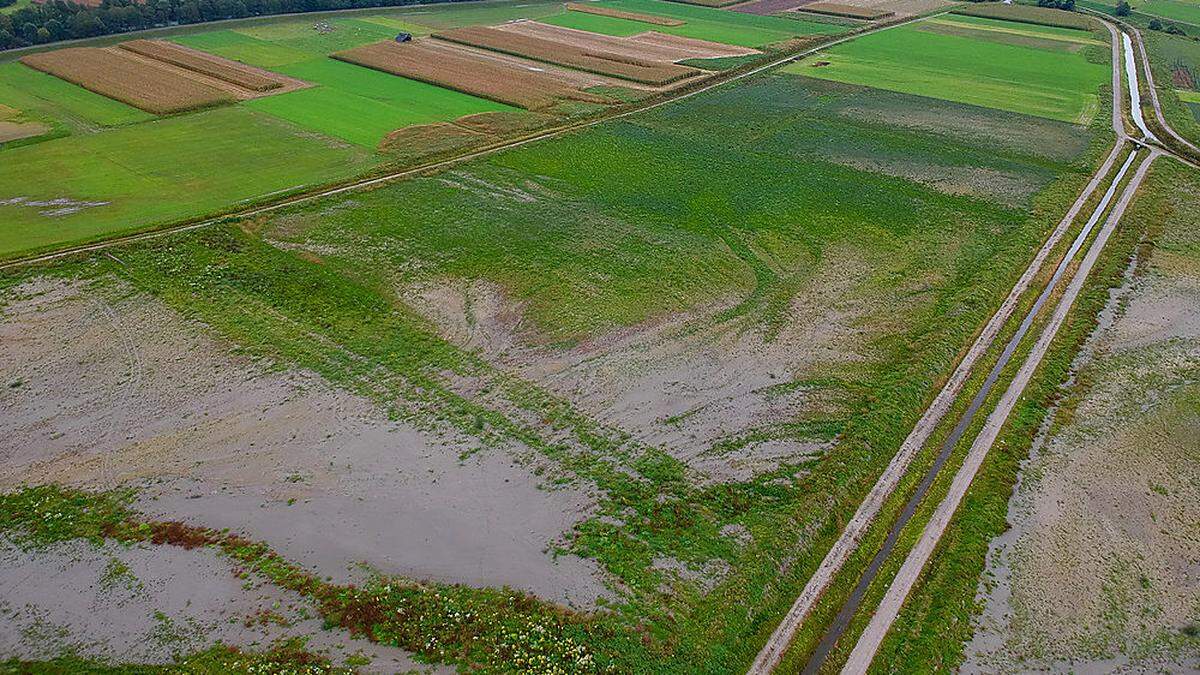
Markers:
(772, 652)
(889, 608)
(544, 134)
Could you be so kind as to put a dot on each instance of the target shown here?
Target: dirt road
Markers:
(775, 647)
(864, 651)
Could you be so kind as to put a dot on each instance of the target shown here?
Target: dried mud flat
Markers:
(688, 382)
(1101, 569)
(103, 388)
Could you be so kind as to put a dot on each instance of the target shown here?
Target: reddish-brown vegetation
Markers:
(153, 87)
(456, 68)
(232, 72)
(621, 14)
(561, 53)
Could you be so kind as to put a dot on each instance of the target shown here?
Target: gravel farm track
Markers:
(412, 172)
(881, 621)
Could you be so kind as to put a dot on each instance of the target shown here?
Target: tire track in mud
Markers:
(889, 608)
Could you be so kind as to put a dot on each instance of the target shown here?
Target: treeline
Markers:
(59, 20)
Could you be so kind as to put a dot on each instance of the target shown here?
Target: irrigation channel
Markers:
(412, 172)
(882, 619)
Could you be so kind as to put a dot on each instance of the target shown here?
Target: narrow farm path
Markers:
(848, 541)
(864, 650)
(881, 621)
(552, 132)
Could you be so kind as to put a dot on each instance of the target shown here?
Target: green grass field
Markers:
(1176, 10)
(968, 70)
(362, 105)
(160, 172)
(703, 23)
(48, 97)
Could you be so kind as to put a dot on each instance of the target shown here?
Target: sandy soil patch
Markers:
(143, 604)
(11, 131)
(103, 389)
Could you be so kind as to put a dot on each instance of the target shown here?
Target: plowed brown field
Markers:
(649, 46)
(449, 66)
(153, 87)
(232, 72)
(583, 58)
(621, 14)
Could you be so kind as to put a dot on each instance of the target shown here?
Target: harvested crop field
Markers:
(850, 11)
(769, 7)
(511, 41)
(121, 76)
(451, 66)
(649, 46)
(622, 14)
(898, 7)
(1042, 16)
(701, 23)
(238, 74)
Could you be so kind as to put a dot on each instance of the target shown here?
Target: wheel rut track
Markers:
(881, 621)
(772, 653)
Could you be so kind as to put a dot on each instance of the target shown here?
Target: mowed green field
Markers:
(702, 23)
(355, 104)
(159, 171)
(1187, 11)
(137, 170)
(969, 69)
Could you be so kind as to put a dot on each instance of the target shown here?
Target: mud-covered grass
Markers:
(290, 657)
(1103, 504)
(439, 622)
(727, 195)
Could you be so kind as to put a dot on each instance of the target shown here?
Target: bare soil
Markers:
(649, 46)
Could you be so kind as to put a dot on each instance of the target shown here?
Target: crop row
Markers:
(622, 14)
(561, 53)
(466, 72)
(143, 84)
(229, 71)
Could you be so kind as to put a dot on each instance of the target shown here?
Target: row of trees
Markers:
(60, 20)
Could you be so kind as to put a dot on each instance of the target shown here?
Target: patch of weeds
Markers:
(118, 575)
